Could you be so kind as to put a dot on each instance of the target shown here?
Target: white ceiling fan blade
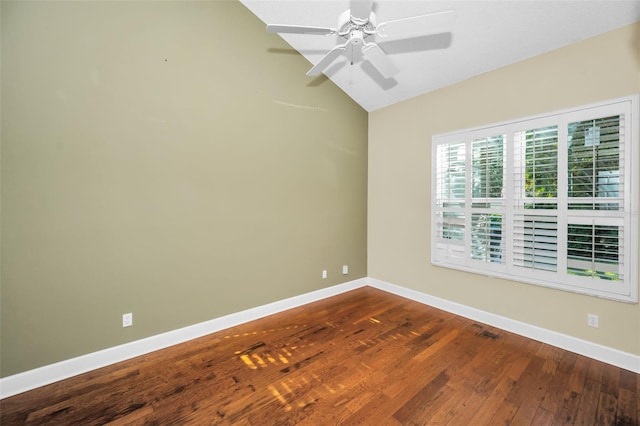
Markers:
(327, 60)
(299, 29)
(360, 11)
(374, 54)
(431, 23)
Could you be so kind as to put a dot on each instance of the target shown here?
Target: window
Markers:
(549, 200)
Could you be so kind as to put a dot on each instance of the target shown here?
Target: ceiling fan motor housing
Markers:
(355, 30)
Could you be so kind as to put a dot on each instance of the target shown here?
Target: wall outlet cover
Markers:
(127, 320)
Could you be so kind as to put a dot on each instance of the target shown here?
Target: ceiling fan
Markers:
(358, 23)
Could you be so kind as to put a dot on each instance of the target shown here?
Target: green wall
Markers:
(169, 159)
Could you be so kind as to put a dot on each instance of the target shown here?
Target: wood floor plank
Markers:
(496, 356)
(611, 380)
(504, 414)
(578, 376)
(493, 402)
(543, 418)
(567, 410)
(529, 391)
(450, 408)
(411, 412)
(607, 405)
(365, 357)
(588, 406)
(627, 406)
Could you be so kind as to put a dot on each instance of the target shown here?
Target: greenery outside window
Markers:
(549, 200)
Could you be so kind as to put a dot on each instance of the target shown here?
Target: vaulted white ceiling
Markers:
(486, 35)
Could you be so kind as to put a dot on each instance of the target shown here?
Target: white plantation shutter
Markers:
(488, 167)
(451, 185)
(486, 237)
(596, 179)
(535, 244)
(545, 200)
(487, 198)
(535, 240)
(595, 251)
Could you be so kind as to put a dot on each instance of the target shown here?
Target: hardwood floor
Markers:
(365, 357)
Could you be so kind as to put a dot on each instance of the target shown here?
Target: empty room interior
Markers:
(194, 231)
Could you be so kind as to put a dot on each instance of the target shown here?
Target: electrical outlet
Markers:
(345, 269)
(592, 320)
(127, 320)
(324, 273)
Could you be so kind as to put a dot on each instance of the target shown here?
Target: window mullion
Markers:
(509, 194)
(562, 193)
(467, 202)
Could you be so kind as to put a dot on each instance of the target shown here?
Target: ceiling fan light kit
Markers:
(357, 24)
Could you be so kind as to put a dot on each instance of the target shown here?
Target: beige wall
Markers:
(169, 159)
(601, 68)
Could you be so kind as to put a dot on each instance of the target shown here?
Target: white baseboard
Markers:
(22, 382)
(602, 353)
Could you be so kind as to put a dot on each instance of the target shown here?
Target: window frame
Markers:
(457, 254)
